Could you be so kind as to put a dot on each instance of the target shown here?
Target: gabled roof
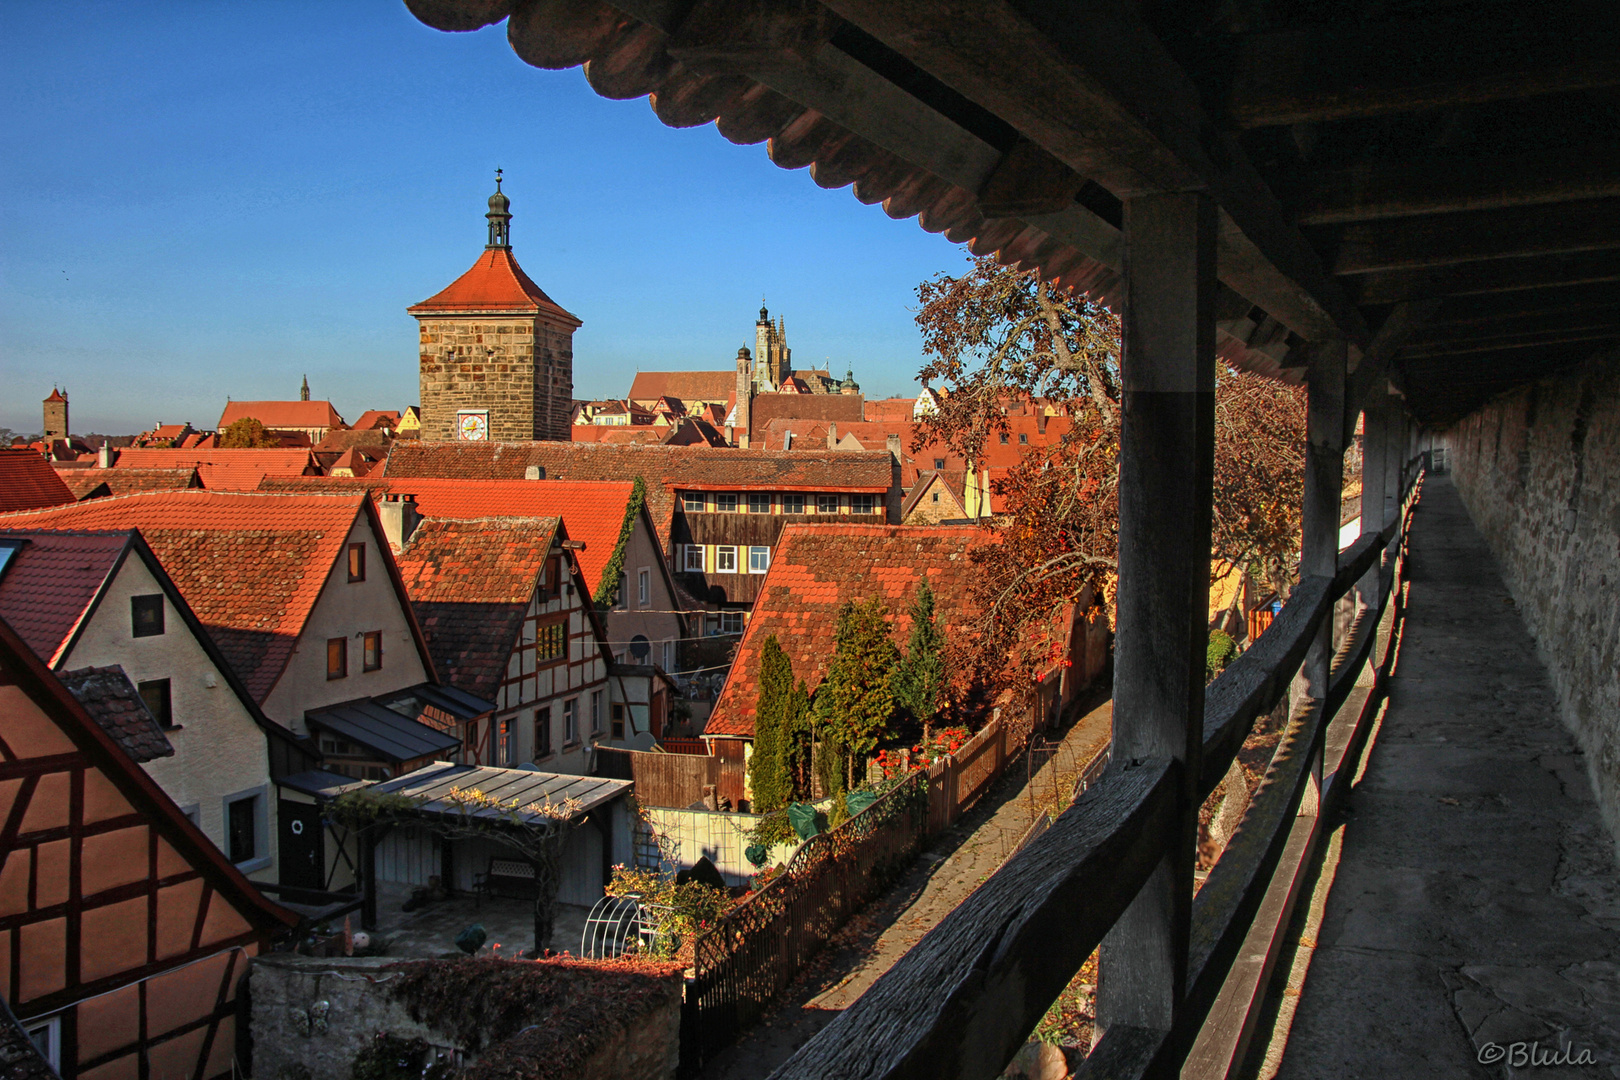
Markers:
(27, 480)
(815, 569)
(85, 483)
(282, 414)
(470, 583)
(686, 385)
(494, 283)
(251, 566)
(273, 461)
(951, 481)
(19, 666)
(667, 469)
(51, 581)
(803, 406)
(374, 419)
(113, 702)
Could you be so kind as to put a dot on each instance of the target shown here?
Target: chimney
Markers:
(832, 436)
(104, 456)
(399, 519)
(893, 442)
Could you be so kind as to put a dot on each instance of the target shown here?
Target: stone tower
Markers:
(56, 415)
(744, 409)
(772, 358)
(303, 391)
(497, 353)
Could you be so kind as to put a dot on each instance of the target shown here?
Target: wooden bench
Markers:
(505, 877)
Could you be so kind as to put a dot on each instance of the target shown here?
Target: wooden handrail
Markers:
(962, 1001)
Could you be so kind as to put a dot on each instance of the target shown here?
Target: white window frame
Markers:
(763, 555)
(723, 554)
(596, 712)
(733, 619)
(507, 737)
(720, 500)
(693, 562)
(570, 709)
(644, 586)
(856, 504)
(261, 827)
(50, 1048)
(755, 496)
(822, 502)
(690, 497)
(800, 499)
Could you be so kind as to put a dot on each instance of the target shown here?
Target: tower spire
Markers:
(303, 394)
(500, 220)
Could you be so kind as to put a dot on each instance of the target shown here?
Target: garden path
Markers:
(950, 866)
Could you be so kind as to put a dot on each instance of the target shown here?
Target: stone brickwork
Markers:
(1539, 470)
(518, 367)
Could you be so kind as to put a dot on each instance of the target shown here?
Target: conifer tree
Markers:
(919, 680)
(797, 740)
(767, 768)
(856, 702)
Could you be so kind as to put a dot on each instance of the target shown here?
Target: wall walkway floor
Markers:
(1465, 916)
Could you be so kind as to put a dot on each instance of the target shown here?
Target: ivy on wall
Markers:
(613, 572)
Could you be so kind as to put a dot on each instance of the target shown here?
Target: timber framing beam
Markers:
(1475, 235)
(1313, 74)
(1380, 189)
(1490, 277)
(1097, 91)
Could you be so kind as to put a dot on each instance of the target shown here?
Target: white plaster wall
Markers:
(656, 620)
(345, 610)
(218, 748)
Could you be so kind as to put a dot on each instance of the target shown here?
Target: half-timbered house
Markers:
(124, 932)
(508, 618)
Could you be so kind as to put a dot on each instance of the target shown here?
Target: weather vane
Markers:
(497, 179)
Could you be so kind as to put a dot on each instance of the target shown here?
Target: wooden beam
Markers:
(1520, 325)
(1092, 86)
(1509, 342)
(1383, 189)
(1488, 308)
(1166, 473)
(1475, 235)
(1326, 73)
(1488, 278)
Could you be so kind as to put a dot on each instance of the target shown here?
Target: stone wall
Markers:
(518, 367)
(311, 1016)
(1539, 470)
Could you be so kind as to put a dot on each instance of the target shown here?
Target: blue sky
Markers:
(208, 200)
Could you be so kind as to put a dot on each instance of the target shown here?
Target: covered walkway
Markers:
(1468, 899)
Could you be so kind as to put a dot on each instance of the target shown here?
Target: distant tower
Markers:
(497, 353)
(850, 387)
(56, 415)
(744, 414)
(772, 363)
(303, 394)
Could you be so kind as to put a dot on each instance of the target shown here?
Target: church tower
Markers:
(497, 353)
(772, 358)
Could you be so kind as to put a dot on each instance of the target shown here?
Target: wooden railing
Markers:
(967, 996)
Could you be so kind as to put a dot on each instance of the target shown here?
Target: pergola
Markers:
(1409, 208)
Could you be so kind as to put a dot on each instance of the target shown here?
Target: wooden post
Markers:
(1166, 469)
(1319, 549)
(1374, 449)
(368, 881)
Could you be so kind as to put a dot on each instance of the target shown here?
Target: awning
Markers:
(374, 726)
(429, 784)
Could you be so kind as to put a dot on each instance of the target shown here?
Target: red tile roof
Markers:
(250, 566)
(667, 469)
(470, 583)
(815, 569)
(842, 409)
(51, 580)
(56, 395)
(27, 480)
(282, 414)
(273, 461)
(592, 510)
(686, 385)
(495, 283)
(113, 702)
(84, 482)
(373, 419)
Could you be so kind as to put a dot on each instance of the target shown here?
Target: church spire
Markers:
(500, 220)
(303, 395)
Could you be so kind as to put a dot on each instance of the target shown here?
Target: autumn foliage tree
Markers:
(245, 434)
(997, 338)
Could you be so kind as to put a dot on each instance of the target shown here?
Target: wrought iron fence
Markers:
(759, 945)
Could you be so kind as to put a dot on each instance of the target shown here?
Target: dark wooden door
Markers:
(303, 848)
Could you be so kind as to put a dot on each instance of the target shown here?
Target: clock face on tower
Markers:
(473, 426)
